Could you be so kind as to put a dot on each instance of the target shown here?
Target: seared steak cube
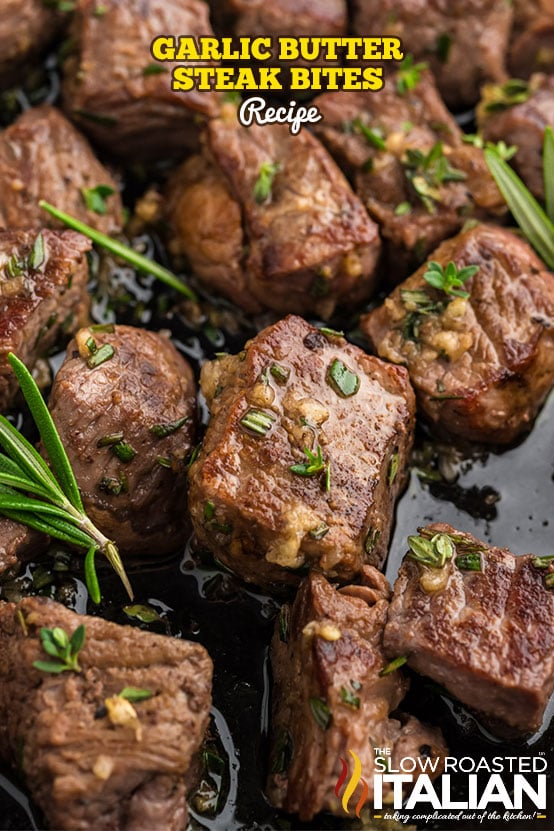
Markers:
(531, 47)
(464, 41)
(308, 245)
(304, 456)
(404, 153)
(124, 404)
(481, 366)
(26, 28)
(17, 544)
(43, 295)
(112, 87)
(91, 758)
(282, 17)
(333, 695)
(521, 124)
(42, 156)
(481, 624)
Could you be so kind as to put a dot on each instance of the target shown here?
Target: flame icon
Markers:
(353, 783)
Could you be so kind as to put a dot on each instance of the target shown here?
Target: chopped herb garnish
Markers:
(331, 333)
(107, 441)
(109, 328)
(142, 612)
(95, 198)
(258, 421)
(402, 209)
(373, 137)
(264, 182)
(154, 69)
(449, 279)
(469, 562)
(313, 466)
(280, 373)
(328, 477)
(37, 255)
(393, 665)
(58, 644)
(319, 531)
(91, 345)
(103, 354)
(134, 694)
(209, 510)
(371, 540)
(505, 151)
(321, 713)
(100, 10)
(409, 74)
(345, 382)
(282, 752)
(393, 468)
(112, 485)
(427, 172)
(163, 430)
(502, 97)
(349, 698)
(543, 562)
(444, 42)
(164, 461)
(124, 452)
(432, 552)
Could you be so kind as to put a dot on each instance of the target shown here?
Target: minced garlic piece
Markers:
(122, 713)
(322, 629)
(103, 767)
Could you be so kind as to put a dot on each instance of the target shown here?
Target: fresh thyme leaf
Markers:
(449, 279)
(101, 355)
(313, 466)
(37, 255)
(142, 612)
(442, 49)
(321, 713)
(503, 96)
(282, 752)
(393, 665)
(280, 373)
(319, 531)
(402, 209)
(527, 212)
(154, 69)
(393, 468)
(124, 452)
(504, 151)
(330, 333)
(371, 540)
(409, 74)
(126, 253)
(427, 172)
(264, 182)
(58, 644)
(95, 198)
(432, 552)
(543, 562)
(469, 562)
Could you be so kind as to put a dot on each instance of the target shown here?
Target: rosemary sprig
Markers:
(55, 507)
(120, 250)
(537, 225)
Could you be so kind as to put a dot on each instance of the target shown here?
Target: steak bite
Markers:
(114, 90)
(43, 296)
(308, 245)
(42, 156)
(464, 41)
(26, 27)
(331, 697)
(481, 366)
(403, 152)
(532, 45)
(517, 114)
(18, 543)
(478, 620)
(124, 404)
(91, 758)
(282, 17)
(304, 456)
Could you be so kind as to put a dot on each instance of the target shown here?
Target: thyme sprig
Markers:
(47, 498)
(126, 253)
(449, 279)
(536, 223)
(57, 643)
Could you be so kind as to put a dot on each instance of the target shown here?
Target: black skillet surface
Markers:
(505, 498)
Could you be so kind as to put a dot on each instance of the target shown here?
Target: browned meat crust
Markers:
(260, 518)
(481, 367)
(487, 636)
(86, 770)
